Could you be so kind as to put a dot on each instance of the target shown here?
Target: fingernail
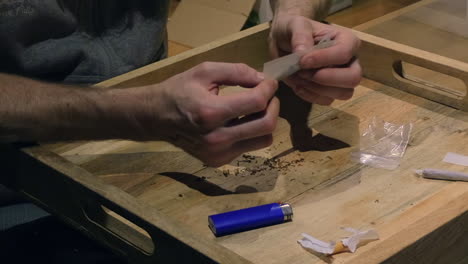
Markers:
(300, 48)
(260, 76)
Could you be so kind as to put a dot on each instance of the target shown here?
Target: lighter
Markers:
(249, 218)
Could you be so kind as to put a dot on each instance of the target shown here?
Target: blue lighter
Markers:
(249, 218)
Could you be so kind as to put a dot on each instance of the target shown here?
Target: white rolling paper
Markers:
(285, 66)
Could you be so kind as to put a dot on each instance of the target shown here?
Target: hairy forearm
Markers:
(314, 9)
(33, 110)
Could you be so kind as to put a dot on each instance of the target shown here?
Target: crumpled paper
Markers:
(347, 244)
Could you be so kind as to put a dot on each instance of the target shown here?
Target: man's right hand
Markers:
(187, 111)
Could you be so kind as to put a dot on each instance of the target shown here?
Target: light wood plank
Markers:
(326, 189)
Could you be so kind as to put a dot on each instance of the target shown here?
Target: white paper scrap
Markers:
(351, 243)
(317, 245)
(359, 238)
(455, 158)
(285, 66)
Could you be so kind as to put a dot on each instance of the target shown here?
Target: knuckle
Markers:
(259, 103)
(239, 135)
(273, 84)
(357, 42)
(242, 69)
(356, 75)
(269, 124)
(205, 118)
(355, 80)
(203, 68)
(346, 55)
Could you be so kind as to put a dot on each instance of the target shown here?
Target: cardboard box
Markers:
(265, 13)
(197, 22)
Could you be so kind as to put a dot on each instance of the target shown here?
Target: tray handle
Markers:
(382, 60)
(79, 198)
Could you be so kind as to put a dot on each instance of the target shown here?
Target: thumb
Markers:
(302, 35)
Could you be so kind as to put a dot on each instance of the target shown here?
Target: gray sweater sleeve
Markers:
(41, 39)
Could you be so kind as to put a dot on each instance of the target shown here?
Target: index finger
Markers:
(346, 46)
(221, 73)
(247, 102)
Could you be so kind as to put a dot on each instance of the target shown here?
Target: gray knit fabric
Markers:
(40, 39)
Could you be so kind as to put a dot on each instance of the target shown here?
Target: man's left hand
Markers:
(326, 74)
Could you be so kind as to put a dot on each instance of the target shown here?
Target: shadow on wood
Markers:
(198, 183)
(296, 111)
(452, 241)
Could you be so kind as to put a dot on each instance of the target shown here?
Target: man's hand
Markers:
(187, 111)
(327, 74)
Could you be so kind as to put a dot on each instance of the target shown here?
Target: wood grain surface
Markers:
(312, 171)
(360, 12)
(166, 191)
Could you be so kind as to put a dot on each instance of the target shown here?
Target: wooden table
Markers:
(150, 201)
(360, 12)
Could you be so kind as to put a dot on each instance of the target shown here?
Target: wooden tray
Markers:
(150, 201)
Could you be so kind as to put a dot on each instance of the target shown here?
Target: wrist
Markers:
(312, 9)
(136, 113)
(122, 113)
(83, 114)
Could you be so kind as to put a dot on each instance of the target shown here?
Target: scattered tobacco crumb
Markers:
(181, 195)
(260, 167)
(376, 201)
